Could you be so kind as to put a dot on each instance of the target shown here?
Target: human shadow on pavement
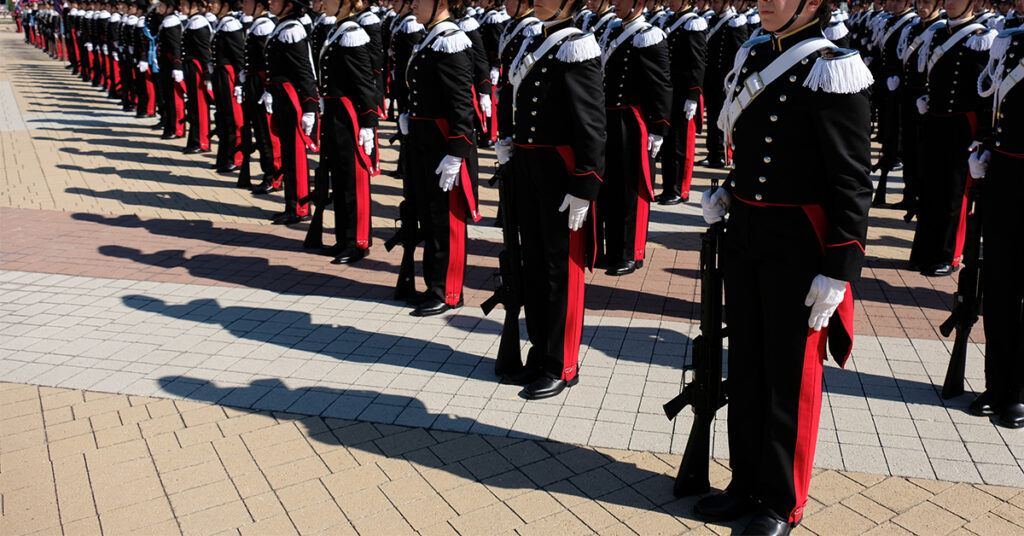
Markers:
(575, 472)
(174, 201)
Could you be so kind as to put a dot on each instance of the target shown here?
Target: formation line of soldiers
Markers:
(578, 103)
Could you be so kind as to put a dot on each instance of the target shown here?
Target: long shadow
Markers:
(555, 467)
(83, 125)
(149, 175)
(174, 201)
(197, 230)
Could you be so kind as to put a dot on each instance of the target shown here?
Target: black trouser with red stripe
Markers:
(294, 166)
(349, 182)
(441, 215)
(940, 212)
(623, 204)
(677, 154)
(912, 148)
(197, 107)
(145, 89)
(553, 261)
(1003, 227)
(258, 126)
(228, 125)
(714, 100)
(169, 97)
(771, 255)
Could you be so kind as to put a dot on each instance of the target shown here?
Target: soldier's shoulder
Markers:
(354, 36)
(451, 41)
(648, 37)
(579, 48)
(839, 70)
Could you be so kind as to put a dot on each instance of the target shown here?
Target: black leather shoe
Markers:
(625, 267)
(288, 218)
(547, 387)
(725, 506)
(1012, 416)
(420, 297)
(712, 162)
(230, 168)
(349, 256)
(332, 251)
(523, 376)
(985, 404)
(195, 150)
(264, 188)
(434, 306)
(938, 270)
(670, 200)
(170, 136)
(766, 524)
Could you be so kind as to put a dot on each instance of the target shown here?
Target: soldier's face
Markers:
(718, 6)
(626, 9)
(776, 13)
(545, 9)
(276, 6)
(423, 9)
(957, 9)
(331, 6)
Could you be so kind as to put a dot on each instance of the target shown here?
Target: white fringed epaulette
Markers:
(368, 19)
(141, 23)
(104, 15)
(839, 71)
(926, 44)
(532, 29)
(836, 31)
(262, 27)
(330, 21)
(212, 18)
(246, 19)
(738, 21)
(197, 22)
(294, 33)
(305, 20)
(754, 19)
(410, 26)
(982, 40)
(579, 48)
(696, 24)
(496, 17)
(132, 20)
(650, 36)
(468, 24)
(451, 42)
(232, 25)
(170, 21)
(355, 36)
(115, 18)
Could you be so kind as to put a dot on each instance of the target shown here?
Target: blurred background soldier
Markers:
(228, 61)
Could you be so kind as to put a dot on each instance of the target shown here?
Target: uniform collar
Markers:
(811, 29)
(560, 25)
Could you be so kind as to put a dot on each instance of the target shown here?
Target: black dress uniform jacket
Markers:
(407, 34)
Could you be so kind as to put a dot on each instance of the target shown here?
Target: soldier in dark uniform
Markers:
(638, 102)
(726, 32)
(556, 167)
(406, 34)
(485, 118)
(195, 52)
(323, 25)
(292, 99)
(687, 54)
(148, 27)
(348, 87)
(257, 118)
(228, 61)
(172, 79)
(441, 152)
(998, 163)
(798, 203)
(521, 26)
(887, 92)
(600, 17)
(953, 53)
(372, 26)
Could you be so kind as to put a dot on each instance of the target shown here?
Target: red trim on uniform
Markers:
(841, 341)
(467, 186)
(643, 204)
(691, 149)
(115, 69)
(203, 106)
(808, 417)
(456, 247)
(302, 142)
(363, 168)
(179, 108)
(236, 115)
(574, 306)
(150, 92)
(961, 226)
(275, 141)
(457, 137)
(857, 242)
(493, 119)
(1007, 153)
(479, 113)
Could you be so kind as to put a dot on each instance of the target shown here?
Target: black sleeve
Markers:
(587, 118)
(455, 72)
(233, 44)
(301, 74)
(481, 67)
(171, 45)
(658, 100)
(364, 98)
(691, 64)
(491, 35)
(841, 125)
(376, 46)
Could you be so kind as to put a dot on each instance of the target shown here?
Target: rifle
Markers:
(509, 282)
(706, 392)
(315, 234)
(406, 235)
(967, 300)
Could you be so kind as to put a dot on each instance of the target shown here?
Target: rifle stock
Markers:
(967, 299)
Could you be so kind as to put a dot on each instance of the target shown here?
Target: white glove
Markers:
(495, 76)
(922, 104)
(974, 145)
(88, 46)
(267, 100)
(690, 109)
(978, 163)
(308, 120)
(178, 76)
(241, 76)
(654, 142)
(143, 66)
(366, 139)
(321, 105)
(238, 94)
(892, 83)
(577, 210)
(209, 67)
(715, 206)
(116, 57)
(209, 86)
(485, 104)
(823, 298)
(403, 124)
(106, 49)
(450, 168)
(503, 150)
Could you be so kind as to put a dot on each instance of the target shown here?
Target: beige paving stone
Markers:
(137, 516)
(161, 425)
(202, 433)
(993, 524)
(407, 489)
(561, 523)
(72, 446)
(965, 501)
(426, 512)
(245, 423)
(203, 497)
(281, 453)
(897, 494)
(68, 430)
(387, 521)
(115, 454)
(927, 519)
(294, 472)
(355, 479)
(250, 484)
(655, 523)
(74, 492)
(303, 494)
(193, 476)
(182, 457)
(109, 419)
(868, 508)
(57, 415)
(362, 503)
(119, 434)
(84, 410)
(534, 505)
(594, 516)
(278, 526)
(494, 519)
(216, 519)
(469, 498)
(89, 526)
(134, 414)
(831, 487)
(838, 520)
(235, 456)
(264, 506)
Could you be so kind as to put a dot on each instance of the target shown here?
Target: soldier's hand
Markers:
(450, 169)
(267, 100)
(690, 109)
(241, 76)
(308, 120)
(823, 298)
(238, 94)
(577, 208)
(715, 206)
(503, 150)
(367, 137)
(495, 75)
(178, 76)
(654, 142)
(143, 66)
(892, 83)
(485, 105)
(978, 163)
(403, 124)
(922, 104)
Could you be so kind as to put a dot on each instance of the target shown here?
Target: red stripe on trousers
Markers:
(808, 416)
(574, 306)
(302, 142)
(236, 115)
(203, 108)
(961, 226)
(643, 202)
(691, 148)
(179, 108)
(494, 114)
(467, 186)
(150, 93)
(456, 245)
(115, 69)
(363, 168)
(275, 141)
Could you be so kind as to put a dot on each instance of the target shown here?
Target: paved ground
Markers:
(156, 328)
